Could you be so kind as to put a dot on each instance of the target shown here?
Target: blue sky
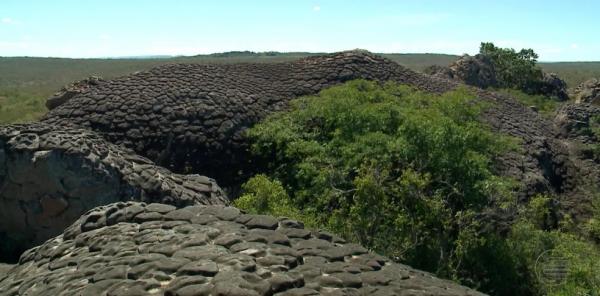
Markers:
(557, 30)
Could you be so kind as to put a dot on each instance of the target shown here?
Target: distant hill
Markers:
(25, 82)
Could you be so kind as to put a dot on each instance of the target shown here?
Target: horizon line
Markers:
(169, 56)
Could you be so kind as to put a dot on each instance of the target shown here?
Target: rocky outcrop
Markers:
(49, 176)
(4, 268)
(479, 71)
(438, 71)
(475, 70)
(588, 92)
(192, 117)
(553, 86)
(155, 249)
(574, 121)
(71, 90)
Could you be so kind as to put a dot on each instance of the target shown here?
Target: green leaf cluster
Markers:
(411, 175)
(400, 171)
(514, 69)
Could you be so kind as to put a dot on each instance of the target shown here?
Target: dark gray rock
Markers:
(191, 117)
(49, 176)
(119, 259)
(573, 121)
(588, 92)
(475, 70)
(71, 90)
(553, 86)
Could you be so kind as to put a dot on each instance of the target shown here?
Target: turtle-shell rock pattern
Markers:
(191, 117)
(156, 249)
(50, 176)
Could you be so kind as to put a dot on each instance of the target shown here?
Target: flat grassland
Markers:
(26, 82)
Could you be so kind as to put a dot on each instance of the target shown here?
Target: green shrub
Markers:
(400, 171)
(263, 195)
(409, 175)
(528, 242)
(545, 105)
(513, 69)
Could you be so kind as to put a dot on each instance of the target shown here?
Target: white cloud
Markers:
(574, 46)
(7, 20)
(317, 8)
(104, 37)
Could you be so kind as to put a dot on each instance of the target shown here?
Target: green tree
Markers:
(514, 69)
(400, 171)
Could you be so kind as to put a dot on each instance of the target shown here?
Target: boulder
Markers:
(71, 90)
(573, 121)
(51, 175)
(588, 92)
(439, 71)
(153, 249)
(475, 70)
(552, 86)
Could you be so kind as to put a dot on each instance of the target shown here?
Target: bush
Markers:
(528, 241)
(402, 172)
(545, 106)
(409, 175)
(514, 69)
(263, 195)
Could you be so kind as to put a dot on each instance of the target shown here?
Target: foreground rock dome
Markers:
(155, 249)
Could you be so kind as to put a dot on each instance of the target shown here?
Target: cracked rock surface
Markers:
(156, 249)
(191, 117)
(49, 176)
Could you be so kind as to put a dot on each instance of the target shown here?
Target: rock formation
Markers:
(192, 117)
(475, 70)
(155, 249)
(588, 92)
(49, 176)
(479, 71)
(553, 87)
(71, 90)
(573, 121)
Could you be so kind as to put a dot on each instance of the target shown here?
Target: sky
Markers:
(556, 30)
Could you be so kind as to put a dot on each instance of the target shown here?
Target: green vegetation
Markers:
(409, 175)
(573, 73)
(594, 130)
(530, 244)
(546, 106)
(16, 106)
(514, 69)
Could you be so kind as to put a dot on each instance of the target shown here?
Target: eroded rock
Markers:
(172, 254)
(475, 70)
(51, 175)
(588, 92)
(71, 90)
(553, 86)
(574, 121)
(192, 117)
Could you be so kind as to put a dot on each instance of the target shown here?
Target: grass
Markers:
(26, 82)
(574, 73)
(16, 106)
(546, 106)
